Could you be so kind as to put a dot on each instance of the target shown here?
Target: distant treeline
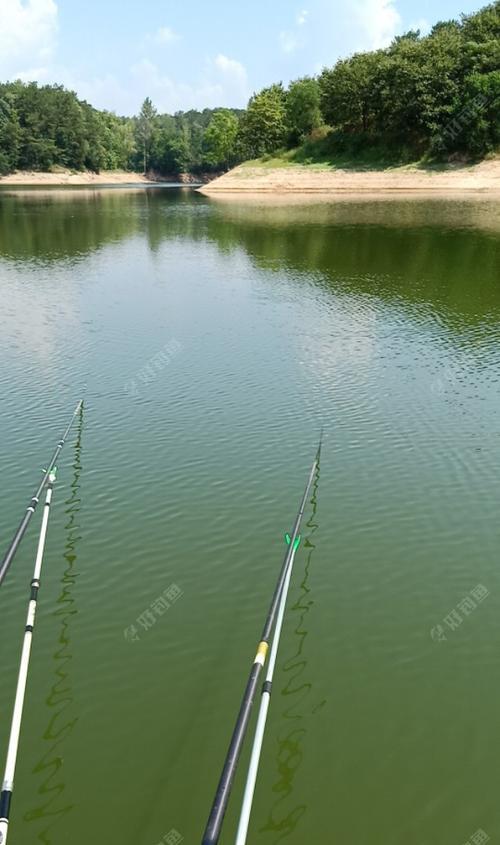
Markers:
(42, 127)
(431, 96)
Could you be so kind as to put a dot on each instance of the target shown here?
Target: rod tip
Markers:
(320, 441)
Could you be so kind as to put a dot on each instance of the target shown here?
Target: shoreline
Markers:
(32, 178)
(261, 180)
(453, 180)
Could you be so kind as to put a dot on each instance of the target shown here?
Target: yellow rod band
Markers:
(261, 655)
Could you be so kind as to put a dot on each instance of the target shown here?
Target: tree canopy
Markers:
(303, 112)
(220, 139)
(263, 127)
(438, 94)
(434, 96)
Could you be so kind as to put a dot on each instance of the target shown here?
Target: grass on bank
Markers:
(327, 150)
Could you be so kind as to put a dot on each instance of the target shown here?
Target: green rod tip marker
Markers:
(288, 540)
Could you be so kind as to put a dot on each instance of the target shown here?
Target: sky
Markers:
(195, 54)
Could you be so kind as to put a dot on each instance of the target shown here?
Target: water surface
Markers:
(212, 340)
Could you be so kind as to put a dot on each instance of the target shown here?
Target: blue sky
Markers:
(195, 54)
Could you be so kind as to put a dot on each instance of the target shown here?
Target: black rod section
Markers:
(221, 800)
(30, 510)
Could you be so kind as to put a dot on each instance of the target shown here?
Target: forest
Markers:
(428, 97)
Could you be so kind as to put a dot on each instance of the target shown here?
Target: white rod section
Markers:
(253, 768)
(15, 728)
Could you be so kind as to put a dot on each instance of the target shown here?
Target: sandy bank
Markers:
(483, 178)
(68, 177)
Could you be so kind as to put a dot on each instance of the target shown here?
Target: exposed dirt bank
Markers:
(411, 179)
(106, 177)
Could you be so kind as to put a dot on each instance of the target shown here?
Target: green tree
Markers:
(422, 93)
(483, 25)
(349, 92)
(263, 128)
(145, 128)
(9, 136)
(170, 154)
(220, 139)
(303, 113)
(68, 127)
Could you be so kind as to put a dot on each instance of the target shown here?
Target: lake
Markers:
(211, 341)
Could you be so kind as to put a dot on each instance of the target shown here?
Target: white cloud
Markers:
(35, 74)
(165, 35)
(167, 94)
(102, 92)
(224, 83)
(288, 41)
(379, 20)
(27, 29)
(231, 69)
(422, 24)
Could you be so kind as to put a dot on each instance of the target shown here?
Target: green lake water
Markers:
(211, 340)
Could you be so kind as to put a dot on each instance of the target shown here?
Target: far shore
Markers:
(265, 179)
(69, 177)
(258, 178)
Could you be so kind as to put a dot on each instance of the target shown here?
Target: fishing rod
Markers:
(265, 701)
(30, 510)
(15, 728)
(253, 768)
(221, 800)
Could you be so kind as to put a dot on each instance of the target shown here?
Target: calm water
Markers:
(212, 340)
